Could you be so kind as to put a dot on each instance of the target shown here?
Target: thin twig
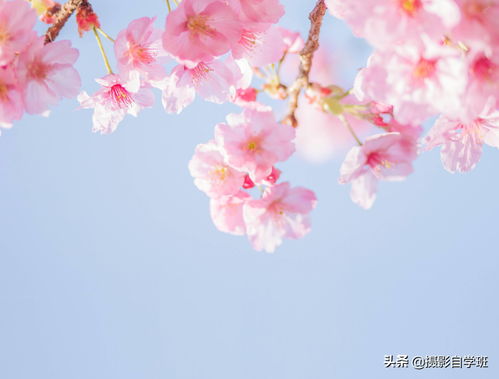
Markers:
(60, 19)
(306, 56)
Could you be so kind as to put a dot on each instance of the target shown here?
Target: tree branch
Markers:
(306, 56)
(61, 17)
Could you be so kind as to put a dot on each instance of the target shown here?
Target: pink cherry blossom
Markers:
(382, 156)
(273, 177)
(258, 13)
(17, 20)
(118, 97)
(462, 141)
(483, 80)
(382, 116)
(227, 213)
(293, 40)
(254, 142)
(212, 174)
(246, 95)
(139, 47)
(418, 80)
(385, 22)
(260, 48)
(11, 103)
(199, 30)
(47, 74)
(215, 81)
(282, 212)
(479, 22)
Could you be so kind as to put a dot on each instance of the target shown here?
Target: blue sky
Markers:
(110, 266)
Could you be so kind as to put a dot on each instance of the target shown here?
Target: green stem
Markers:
(105, 35)
(103, 52)
(350, 129)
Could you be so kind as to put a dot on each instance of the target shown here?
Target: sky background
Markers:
(110, 266)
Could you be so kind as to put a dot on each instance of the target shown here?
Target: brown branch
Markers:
(306, 56)
(61, 17)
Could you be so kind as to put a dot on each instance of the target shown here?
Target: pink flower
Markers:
(139, 47)
(419, 81)
(382, 156)
(258, 13)
(215, 81)
(47, 74)
(479, 22)
(462, 141)
(253, 142)
(293, 40)
(382, 116)
(17, 20)
(199, 30)
(212, 174)
(261, 48)
(282, 212)
(227, 213)
(385, 22)
(11, 103)
(246, 95)
(117, 97)
(483, 78)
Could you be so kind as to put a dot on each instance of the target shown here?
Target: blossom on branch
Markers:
(381, 157)
(254, 142)
(282, 212)
(118, 97)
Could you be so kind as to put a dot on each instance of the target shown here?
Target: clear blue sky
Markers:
(111, 268)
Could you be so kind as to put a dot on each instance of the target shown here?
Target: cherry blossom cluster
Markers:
(213, 45)
(242, 156)
(34, 76)
(432, 58)
(433, 62)
(213, 48)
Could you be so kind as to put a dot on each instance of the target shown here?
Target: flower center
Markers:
(375, 160)
(475, 9)
(37, 70)
(410, 6)
(276, 208)
(4, 36)
(253, 146)
(484, 68)
(221, 173)
(121, 96)
(424, 68)
(142, 54)
(198, 24)
(4, 90)
(249, 40)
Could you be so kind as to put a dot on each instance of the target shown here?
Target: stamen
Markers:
(410, 6)
(424, 68)
(121, 96)
(198, 24)
(200, 72)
